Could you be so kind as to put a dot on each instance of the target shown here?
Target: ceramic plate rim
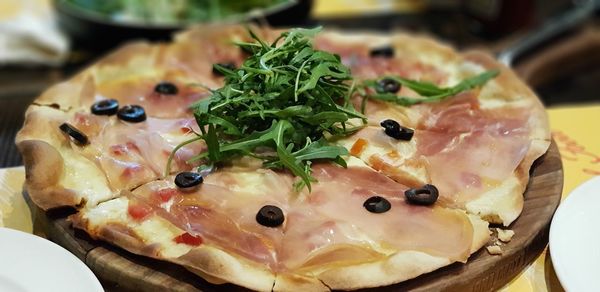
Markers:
(10, 237)
(557, 250)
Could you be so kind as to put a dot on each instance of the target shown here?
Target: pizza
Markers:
(288, 160)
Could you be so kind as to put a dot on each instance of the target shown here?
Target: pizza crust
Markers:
(44, 148)
(43, 186)
(218, 266)
(57, 176)
(39, 157)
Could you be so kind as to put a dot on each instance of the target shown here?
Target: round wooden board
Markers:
(483, 272)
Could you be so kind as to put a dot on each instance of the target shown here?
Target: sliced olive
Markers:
(106, 107)
(377, 204)
(426, 195)
(387, 85)
(230, 66)
(77, 136)
(385, 52)
(270, 216)
(394, 130)
(132, 113)
(166, 88)
(188, 179)
(247, 49)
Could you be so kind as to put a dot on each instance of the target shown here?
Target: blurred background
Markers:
(554, 44)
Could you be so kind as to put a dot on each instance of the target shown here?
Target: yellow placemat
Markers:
(350, 8)
(575, 130)
(14, 212)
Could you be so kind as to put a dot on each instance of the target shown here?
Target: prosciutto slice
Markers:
(332, 221)
(131, 154)
(223, 209)
(328, 226)
(470, 150)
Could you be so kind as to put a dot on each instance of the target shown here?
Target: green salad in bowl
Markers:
(174, 12)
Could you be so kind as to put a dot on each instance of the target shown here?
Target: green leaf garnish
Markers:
(429, 91)
(279, 105)
(287, 98)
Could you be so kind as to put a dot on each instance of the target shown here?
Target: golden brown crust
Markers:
(43, 169)
(212, 263)
(295, 282)
(44, 165)
(218, 266)
(222, 265)
(55, 174)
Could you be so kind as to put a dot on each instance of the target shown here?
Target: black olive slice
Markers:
(230, 66)
(377, 204)
(394, 130)
(247, 50)
(387, 85)
(188, 179)
(426, 195)
(106, 107)
(385, 52)
(270, 216)
(77, 136)
(166, 88)
(132, 113)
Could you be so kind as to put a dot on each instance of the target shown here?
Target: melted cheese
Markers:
(153, 230)
(84, 176)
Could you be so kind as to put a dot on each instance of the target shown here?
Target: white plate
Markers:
(31, 263)
(575, 238)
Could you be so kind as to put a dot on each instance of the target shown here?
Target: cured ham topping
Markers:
(224, 213)
(90, 124)
(142, 92)
(483, 147)
(131, 154)
(327, 220)
(165, 195)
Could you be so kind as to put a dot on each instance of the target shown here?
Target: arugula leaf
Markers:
(429, 91)
(286, 98)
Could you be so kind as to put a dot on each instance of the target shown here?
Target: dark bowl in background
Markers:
(94, 32)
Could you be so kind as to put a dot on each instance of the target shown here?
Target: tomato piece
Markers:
(188, 239)
(138, 211)
(166, 194)
(358, 147)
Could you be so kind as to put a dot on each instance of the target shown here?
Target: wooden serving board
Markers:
(122, 271)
